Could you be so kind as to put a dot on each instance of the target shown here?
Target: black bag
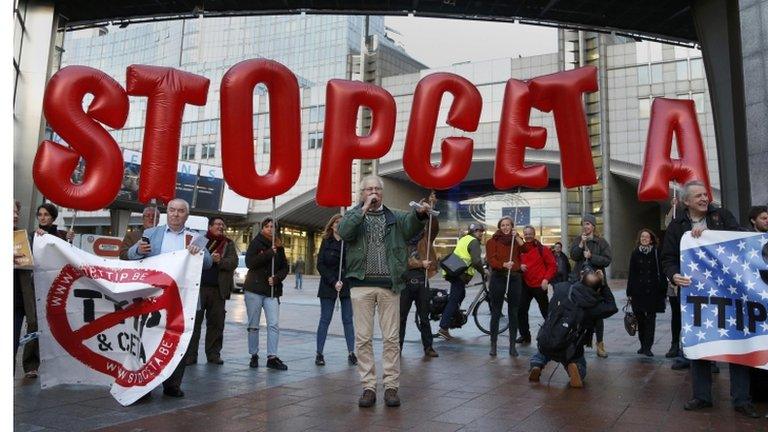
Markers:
(630, 320)
(414, 278)
(438, 299)
(459, 319)
(561, 332)
(453, 266)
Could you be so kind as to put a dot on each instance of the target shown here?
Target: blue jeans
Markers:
(253, 304)
(298, 280)
(326, 314)
(455, 297)
(541, 360)
(701, 379)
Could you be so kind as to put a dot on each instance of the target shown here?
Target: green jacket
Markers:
(401, 227)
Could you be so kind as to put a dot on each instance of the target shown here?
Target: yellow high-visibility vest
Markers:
(462, 251)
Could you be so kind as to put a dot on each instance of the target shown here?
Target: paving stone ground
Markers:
(464, 389)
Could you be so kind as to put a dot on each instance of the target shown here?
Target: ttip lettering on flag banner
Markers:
(725, 309)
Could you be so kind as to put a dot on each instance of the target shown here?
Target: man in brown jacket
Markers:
(132, 237)
(216, 285)
(422, 265)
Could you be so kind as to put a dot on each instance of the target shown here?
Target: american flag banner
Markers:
(725, 309)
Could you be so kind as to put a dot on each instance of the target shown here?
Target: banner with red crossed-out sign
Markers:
(103, 321)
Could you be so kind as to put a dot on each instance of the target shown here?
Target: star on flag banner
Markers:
(725, 309)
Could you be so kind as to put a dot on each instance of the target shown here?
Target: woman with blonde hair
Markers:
(333, 285)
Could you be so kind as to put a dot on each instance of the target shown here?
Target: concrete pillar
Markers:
(719, 30)
(120, 219)
(40, 23)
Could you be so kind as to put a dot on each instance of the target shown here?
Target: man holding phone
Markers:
(168, 238)
(132, 237)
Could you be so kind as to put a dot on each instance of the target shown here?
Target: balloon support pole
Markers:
(337, 304)
(512, 247)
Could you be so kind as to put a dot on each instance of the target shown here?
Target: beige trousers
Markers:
(364, 302)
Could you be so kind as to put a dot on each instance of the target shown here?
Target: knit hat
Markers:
(589, 218)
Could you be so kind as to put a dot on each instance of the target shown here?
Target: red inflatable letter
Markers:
(514, 136)
(342, 144)
(562, 92)
(63, 108)
(237, 128)
(668, 116)
(457, 151)
(168, 91)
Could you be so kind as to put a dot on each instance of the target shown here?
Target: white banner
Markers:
(102, 321)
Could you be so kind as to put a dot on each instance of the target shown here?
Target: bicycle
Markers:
(480, 309)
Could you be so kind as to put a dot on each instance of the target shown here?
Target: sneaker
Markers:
(254, 361)
(430, 352)
(319, 360)
(535, 374)
(696, 404)
(748, 410)
(573, 374)
(391, 399)
(31, 374)
(276, 363)
(352, 359)
(523, 339)
(368, 399)
(444, 334)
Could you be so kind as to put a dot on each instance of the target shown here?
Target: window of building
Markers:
(698, 100)
(188, 152)
(657, 75)
(697, 68)
(681, 70)
(315, 140)
(644, 107)
(643, 75)
(208, 151)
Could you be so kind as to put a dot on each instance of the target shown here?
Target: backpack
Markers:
(561, 332)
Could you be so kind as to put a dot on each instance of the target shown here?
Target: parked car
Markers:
(240, 273)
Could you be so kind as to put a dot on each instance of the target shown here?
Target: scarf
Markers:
(645, 249)
(505, 239)
(216, 243)
(50, 229)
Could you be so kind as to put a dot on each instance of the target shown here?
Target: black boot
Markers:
(674, 351)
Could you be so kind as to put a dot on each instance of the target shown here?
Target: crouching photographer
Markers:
(574, 310)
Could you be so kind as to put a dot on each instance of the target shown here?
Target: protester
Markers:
(168, 238)
(376, 260)
(298, 272)
(505, 279)
(539, 267)
(422, 265)
(267, 268)
(594, 251)
(216, 285)
(698, 215)
(46, 216)
(563, 264)
(148, 217)
(758, 219)
(22, 283)
(576, 308)
(333, 285)
(646, 288)
(674, 301)
(469, 250)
